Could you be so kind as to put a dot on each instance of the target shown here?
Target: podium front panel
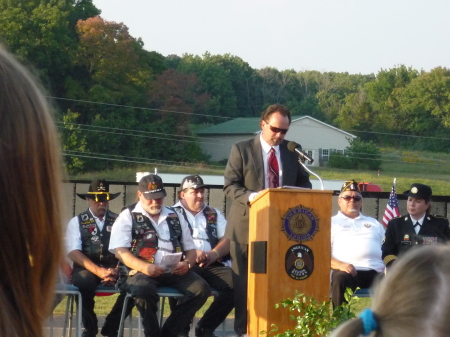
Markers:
(290, 265)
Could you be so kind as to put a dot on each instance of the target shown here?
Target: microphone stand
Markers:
(307, 169)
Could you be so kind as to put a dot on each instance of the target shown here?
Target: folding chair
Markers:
(73, 298)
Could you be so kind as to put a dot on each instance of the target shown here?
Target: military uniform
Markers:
(401, 235)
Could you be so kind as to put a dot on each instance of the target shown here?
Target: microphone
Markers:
(294, 147)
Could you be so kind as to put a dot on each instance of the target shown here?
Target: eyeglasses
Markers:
(348, 198)
(277, 130)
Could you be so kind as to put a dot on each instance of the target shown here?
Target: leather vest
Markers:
(145, 238)
(95, 244)
(211, 223)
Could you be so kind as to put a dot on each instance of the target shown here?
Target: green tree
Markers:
(177, 96)
(74, 142)
(425, 109)
(364, 155)
(41, 33)
(383, 95)
(215, 79)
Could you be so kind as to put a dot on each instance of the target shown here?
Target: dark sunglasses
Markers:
(347, 198)
(277, 130)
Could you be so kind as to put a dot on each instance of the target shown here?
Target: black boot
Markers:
(201, 332)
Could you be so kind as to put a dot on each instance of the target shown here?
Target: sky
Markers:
(354, 36)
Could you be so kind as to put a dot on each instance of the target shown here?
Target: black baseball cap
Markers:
(152, 187)
(194, 181)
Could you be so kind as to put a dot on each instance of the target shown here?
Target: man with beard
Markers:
(355, 245)
(254, 165)
(87, 241)
(418, 227)
(207, 226)
(144, 234)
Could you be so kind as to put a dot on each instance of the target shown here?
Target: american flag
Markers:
(391, 207)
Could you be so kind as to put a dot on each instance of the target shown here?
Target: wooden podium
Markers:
(279, 265)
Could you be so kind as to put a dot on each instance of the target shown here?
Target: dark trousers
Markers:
(340, 281)
(239, 258)
(87, 282)
(220, 278)
(143, 289)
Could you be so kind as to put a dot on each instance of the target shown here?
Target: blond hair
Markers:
(413, 299)
(30, 181)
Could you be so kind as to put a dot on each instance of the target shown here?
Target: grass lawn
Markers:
(103, 305)
(407, 166)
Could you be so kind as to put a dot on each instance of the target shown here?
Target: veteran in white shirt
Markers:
(356, 242)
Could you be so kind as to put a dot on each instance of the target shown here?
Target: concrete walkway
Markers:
(58, 322)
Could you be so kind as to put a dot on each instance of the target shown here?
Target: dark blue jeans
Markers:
(340, 281)
(143, 288)
(220, 278)
(87, 282)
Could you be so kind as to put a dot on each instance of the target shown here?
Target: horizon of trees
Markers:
(118, 103)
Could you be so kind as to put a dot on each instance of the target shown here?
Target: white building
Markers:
(317, 138)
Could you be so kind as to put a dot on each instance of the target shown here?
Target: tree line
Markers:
(119, 103)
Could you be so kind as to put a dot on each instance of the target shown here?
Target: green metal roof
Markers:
(249, 125)
(234, 126)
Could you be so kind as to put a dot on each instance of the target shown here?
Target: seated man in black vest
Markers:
(146, 235)
(87, 241)
(207, 226)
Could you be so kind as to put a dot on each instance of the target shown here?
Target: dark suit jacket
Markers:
(244, 175)
(401, 236)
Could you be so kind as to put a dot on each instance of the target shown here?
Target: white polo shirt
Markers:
(121, 232)
(357, 241)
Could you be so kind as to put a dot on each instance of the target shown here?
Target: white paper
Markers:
(169, 261)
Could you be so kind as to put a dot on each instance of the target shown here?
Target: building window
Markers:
(325, 155)
(340, 151)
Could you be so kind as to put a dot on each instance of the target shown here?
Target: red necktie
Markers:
(274, 172)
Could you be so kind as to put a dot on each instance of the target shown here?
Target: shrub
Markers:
(338, 160)
(366, 155)
(314, 319)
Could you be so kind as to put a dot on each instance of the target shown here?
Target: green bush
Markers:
(365, 155)
(359, 155)
(338, 160)
(314, 318)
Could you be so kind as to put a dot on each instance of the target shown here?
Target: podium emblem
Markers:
(300, 224)
(299, 262)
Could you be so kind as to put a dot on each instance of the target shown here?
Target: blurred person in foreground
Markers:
(87, 243)
(31, 245)
(355, 245)
(413, 299)
(143, 236)
(207, 226)
(418, 227)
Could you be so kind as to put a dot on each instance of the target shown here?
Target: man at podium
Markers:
(355, 245)
(254, 165)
